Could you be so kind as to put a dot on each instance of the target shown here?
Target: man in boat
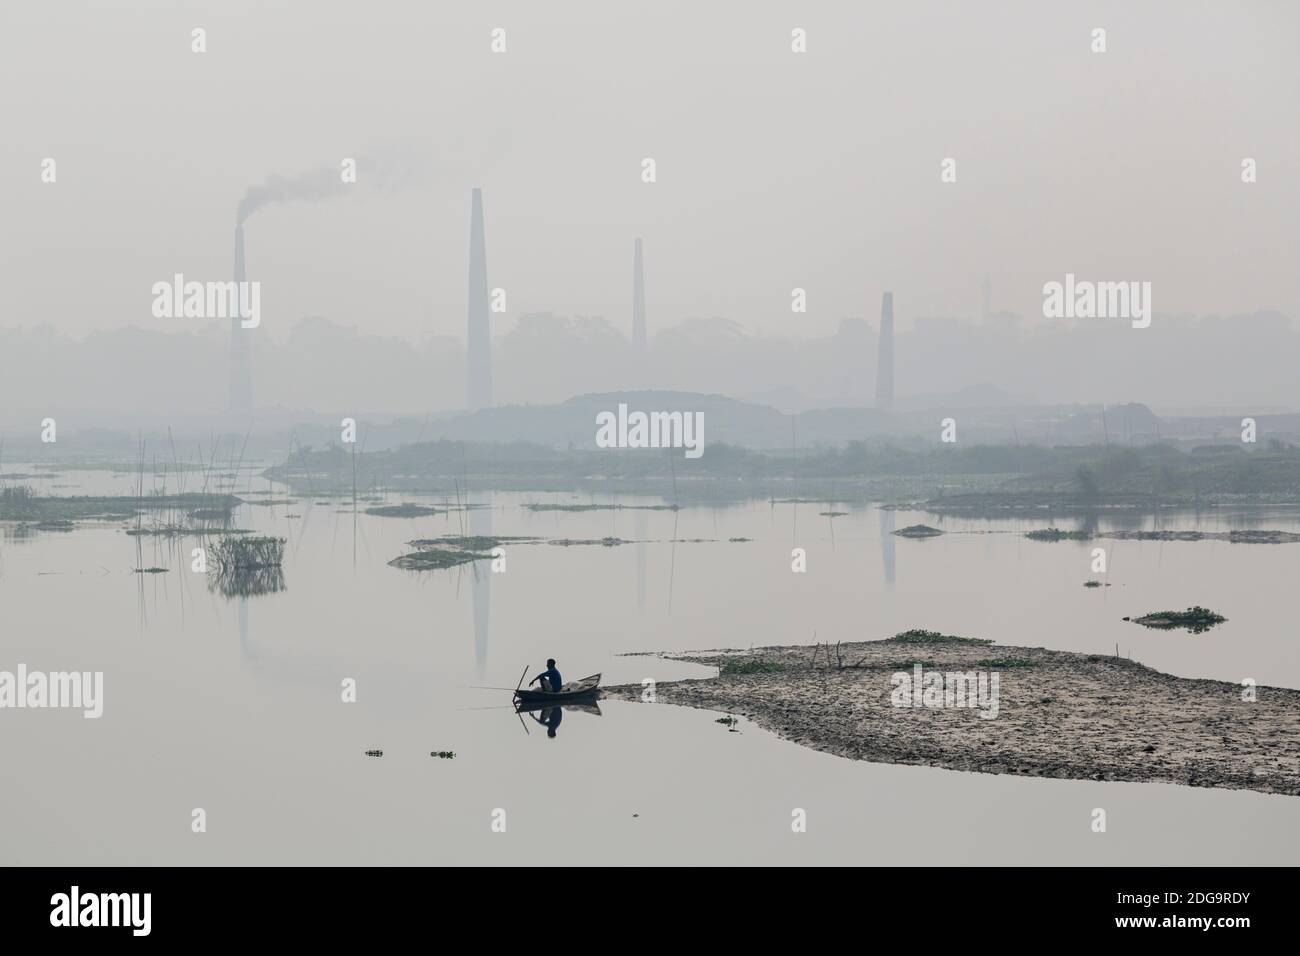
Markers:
(549, 679)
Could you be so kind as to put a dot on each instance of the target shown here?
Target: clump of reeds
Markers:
(246, 566)
(247, 553)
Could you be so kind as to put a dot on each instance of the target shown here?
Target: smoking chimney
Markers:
(241, 347)
(478, 369)
(885, 369)
(638, 300)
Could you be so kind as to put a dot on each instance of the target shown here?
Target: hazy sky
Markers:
(775, 170)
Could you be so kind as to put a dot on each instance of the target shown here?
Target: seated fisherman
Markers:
(549, 679)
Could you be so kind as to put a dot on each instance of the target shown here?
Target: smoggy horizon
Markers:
(1116, 167)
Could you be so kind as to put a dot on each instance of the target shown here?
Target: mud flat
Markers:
(1060, 714)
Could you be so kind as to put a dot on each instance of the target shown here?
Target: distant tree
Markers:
(1087, 482)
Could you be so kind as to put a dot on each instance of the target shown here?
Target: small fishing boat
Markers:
(574, 690)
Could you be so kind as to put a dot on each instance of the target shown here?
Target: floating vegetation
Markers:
(210, 514)
(247, 566)
(469, 542)
(443, 754)
(613, 507)
(150, 570)
(374, 753)
(1235, 537)
(749, 666)
(448, 551)
(841, 514)
(436, 559)
(20, 503)
(603, 542)
(1094, 584)
(918, 531)
(1196, 619)
(739, 540)
(405, 510)
(181, 531)
(918, 636)
(1056, 534)
(728, 720)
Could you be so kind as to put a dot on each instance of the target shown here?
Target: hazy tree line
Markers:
(317, 365)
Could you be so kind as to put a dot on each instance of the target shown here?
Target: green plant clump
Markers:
(918, 636)
(751, 667)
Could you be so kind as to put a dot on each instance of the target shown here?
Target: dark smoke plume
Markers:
(383, 171)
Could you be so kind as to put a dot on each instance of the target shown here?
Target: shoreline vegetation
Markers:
(1061, 714)
(967, 480)
(972, 481)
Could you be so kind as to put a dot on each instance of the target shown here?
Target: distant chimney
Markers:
(638, 300)
(241, 346)
(478, 369)
(885, 368)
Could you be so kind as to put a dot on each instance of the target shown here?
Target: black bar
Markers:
(303, 905)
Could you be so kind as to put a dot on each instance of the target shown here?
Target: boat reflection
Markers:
(550, 715)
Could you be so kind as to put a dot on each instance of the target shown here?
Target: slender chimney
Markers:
(638, 300)
(885, 368)
(241, 359)
(478, 369)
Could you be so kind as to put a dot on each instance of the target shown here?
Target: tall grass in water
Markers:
(247, 566)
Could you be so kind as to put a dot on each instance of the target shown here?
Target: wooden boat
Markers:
(574, 690)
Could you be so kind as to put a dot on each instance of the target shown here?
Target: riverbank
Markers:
(1058, 714)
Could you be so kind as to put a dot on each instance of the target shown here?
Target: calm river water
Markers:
(233, 705)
